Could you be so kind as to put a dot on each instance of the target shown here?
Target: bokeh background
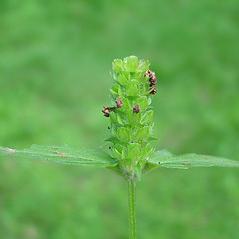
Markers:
(55, 59)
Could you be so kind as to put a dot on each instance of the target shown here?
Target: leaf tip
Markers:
(8, 150)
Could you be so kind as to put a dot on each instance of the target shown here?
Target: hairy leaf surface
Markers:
(63, 155)
(166, 159)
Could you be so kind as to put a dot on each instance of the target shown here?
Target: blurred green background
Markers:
(55, 59)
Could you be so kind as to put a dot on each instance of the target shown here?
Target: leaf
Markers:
(147, 117)
(63, 155)
(166, 159)
(123, 134)
(143, 103)
(132, 88)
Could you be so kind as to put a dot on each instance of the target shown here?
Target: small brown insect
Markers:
(152, 90)
(149, 74)
(153, 80)
(119, 103)
(136, 109)
(106, 111)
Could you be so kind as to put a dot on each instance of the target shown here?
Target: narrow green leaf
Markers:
(168, 160)
(63, 155)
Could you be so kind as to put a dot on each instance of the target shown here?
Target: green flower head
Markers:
(131, 115)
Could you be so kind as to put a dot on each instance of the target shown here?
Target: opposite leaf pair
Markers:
(98, 158)
(132, 150)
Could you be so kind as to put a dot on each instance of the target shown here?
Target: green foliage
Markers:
(62, 155)
(166, 159)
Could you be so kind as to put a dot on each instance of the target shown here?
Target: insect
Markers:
(119, 103)
(152, 81)
(106, 111)
(136, 109)
(153, 90)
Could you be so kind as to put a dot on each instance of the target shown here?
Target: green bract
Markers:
(131, 116)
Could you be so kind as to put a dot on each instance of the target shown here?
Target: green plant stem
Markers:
(132, 214)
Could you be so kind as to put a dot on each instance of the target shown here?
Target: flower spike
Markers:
(132, 119)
